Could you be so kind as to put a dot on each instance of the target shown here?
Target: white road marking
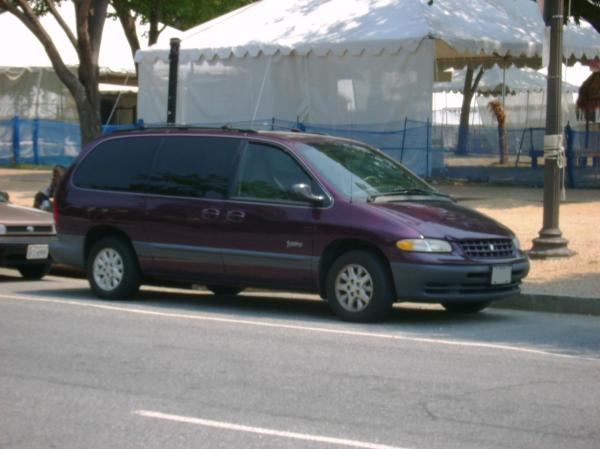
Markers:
(262, 430)
(296, 327)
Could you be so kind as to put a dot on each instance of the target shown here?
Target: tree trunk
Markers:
(468, 91)
(503, 145)
(90, 17)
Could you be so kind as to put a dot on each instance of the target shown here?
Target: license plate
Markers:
(501, 274)
(37, 252)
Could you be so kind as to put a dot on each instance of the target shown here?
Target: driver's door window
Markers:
(268, 173)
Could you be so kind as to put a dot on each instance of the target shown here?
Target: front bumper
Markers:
(13, 249)
(469, 282)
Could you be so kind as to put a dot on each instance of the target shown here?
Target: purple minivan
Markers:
(232, 209)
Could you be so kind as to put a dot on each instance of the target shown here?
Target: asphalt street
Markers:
(186, 369)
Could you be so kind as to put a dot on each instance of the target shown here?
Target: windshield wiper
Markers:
(414, 191)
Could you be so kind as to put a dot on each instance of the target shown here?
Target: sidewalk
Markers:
(562, 285)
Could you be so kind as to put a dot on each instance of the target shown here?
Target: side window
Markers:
(267, 173)
(119, 164)
(194, 166)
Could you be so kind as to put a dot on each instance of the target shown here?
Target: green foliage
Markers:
(182, 14)
(586, 9)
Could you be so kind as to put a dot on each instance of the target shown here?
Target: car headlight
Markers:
(516, 243)
(424, 245)
(2, 229)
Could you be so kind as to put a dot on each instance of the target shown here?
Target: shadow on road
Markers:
(567, 334)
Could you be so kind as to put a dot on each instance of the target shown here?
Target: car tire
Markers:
(465, 306)
(35, 271)
(359, 287)
(112, 269)
(225, 290)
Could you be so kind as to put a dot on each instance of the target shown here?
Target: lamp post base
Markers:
(549, 244)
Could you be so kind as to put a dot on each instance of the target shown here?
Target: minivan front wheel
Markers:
(225, 290)
(359, 287)
(465, 306)
(112, 269)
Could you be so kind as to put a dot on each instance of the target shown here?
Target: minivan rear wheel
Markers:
(224, 290)
(359, 287)
(112, 269)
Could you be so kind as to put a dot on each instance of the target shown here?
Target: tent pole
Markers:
(262, 88)
(173, 69)
(527, 111)
(503, 85)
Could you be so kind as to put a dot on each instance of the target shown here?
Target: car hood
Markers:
(444, 219)
(12, 214)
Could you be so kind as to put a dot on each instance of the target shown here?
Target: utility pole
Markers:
(550, 242)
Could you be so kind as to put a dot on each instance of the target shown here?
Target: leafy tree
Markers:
(181, 14)
(586, 9)
(83, 85)
(86, 39)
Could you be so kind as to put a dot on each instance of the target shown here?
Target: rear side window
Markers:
(194, 166)
(118, 164)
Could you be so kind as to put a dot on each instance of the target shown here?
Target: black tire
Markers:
(359, 287)
(35, 271)
(465, 307)
(123, 280)
(224, 290)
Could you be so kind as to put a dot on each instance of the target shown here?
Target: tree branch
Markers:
(478, 78)
(22, 10)
(62, 23)
(128, 23)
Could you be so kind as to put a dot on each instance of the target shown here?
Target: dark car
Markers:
(25, 236)
(234, 209)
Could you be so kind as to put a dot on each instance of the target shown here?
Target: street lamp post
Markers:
(550, 242)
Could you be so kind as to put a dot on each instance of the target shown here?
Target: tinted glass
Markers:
(194, 166)
(268, 173)
(120, 164)
(359, 171)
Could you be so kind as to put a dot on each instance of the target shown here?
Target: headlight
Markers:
(516, 243)
(2, 229)
(424, 245)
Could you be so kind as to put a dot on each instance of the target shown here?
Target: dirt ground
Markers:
(520, 209)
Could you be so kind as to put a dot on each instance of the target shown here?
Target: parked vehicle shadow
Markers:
(545, 331)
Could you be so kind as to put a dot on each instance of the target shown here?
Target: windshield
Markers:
(361, 172)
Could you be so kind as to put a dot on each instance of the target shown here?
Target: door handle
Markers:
(210, 214)
(235, 216)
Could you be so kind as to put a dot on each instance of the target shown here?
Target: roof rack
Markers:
(143, 127)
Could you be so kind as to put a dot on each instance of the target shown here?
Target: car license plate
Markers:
(37, 252)
(501, 274)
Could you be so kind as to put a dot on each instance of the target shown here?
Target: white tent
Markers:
(342, 62)
(516, 81)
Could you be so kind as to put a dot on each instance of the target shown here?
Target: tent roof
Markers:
(461, 29)
(517, 80)
(26, 51)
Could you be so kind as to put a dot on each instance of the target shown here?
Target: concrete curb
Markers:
(550, 303)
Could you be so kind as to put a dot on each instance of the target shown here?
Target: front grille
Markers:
(29, 230)
(488, 249)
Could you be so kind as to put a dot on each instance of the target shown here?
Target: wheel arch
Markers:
(341, 246)
(100, 232)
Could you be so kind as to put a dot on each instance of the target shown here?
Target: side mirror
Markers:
(303, 192)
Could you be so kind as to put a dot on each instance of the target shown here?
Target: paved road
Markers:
(179, 369)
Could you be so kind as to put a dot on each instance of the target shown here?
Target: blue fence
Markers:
(421, 146)
(38, 141)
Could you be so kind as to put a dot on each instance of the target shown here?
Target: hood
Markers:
(12, 214)
(444, 219)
